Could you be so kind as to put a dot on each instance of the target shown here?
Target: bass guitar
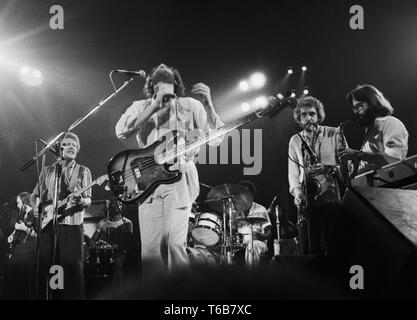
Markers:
(135, 174)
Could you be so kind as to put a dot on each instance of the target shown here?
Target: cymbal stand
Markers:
(251, 258)
(227, 248)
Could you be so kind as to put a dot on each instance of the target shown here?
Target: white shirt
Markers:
(187, 116)
(387, 135)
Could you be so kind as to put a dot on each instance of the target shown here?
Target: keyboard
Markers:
(400, 174)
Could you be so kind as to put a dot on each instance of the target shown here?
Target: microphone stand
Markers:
(304, 219)
(57, 175)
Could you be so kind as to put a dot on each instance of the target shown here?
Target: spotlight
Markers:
(280, 96)
(292, 95)
(304, 67)
(37, 74)
(30, 76)
(244, 85)
(25, 70)
(258, 80)
(261, 102)
(290, 70)
(245, 106)
(305, 91)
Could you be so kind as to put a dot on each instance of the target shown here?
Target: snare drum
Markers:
(207, 229)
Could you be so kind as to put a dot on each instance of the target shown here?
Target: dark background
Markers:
(214, 42)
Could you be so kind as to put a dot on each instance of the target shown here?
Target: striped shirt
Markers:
(46, 179)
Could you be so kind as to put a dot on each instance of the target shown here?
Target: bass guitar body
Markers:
(134, 174)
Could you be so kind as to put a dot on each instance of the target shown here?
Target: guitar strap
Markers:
(74, 178)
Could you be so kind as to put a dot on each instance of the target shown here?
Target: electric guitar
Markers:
(135, 174)
(64, 209)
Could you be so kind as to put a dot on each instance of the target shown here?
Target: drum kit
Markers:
(215, 236)
(99, 260)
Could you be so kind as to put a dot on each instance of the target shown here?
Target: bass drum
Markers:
(202, 257)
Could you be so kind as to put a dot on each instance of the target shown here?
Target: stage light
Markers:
(305, 91)
(290, 70)
(292, 95)
(25, 70)
(280, 96)
(30, 76)
(37, 74)
(245, 106)
(304, 67)
(257, 80)
(244, 85)
(261, 102)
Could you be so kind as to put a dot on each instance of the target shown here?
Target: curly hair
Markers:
(179, 88)
(25, 197)
(373, 97)
(309, 101)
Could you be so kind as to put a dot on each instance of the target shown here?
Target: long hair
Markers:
(309, 101)
(179, 88)
(376, 100)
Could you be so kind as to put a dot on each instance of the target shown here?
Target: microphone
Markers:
(139, 73)
(273, 203)
(55, 150)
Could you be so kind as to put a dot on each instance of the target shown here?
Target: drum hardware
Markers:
(229, 200)
(240, 197)
(99, 261)
(199, 255)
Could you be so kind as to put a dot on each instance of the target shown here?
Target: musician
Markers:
(163, 217)
(314, 149)
(117, 231)
(70, 229)
(386, 138)
(255, 235)
(19, 278)
(26, 223)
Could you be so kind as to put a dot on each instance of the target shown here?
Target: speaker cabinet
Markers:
(379, 232)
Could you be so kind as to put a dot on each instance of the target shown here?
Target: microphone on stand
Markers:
(273, 204)
(55, 150)
(129, 73)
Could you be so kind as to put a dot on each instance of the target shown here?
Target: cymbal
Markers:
(241, 197)
(240, 222)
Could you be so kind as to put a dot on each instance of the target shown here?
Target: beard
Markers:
(163, 76)
(367, 118)
(310, 127)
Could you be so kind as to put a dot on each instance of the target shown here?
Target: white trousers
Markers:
(163, 232)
